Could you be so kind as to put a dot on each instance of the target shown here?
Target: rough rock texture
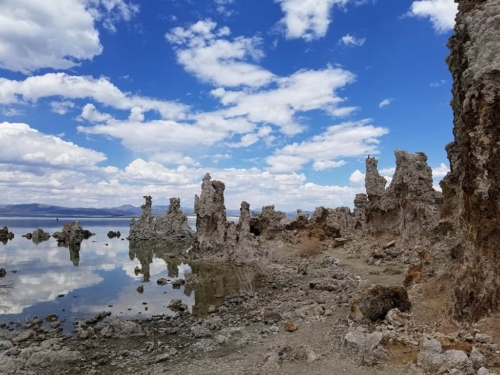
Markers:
(5, 235)
(72, 235)
(333, 222)
(268, 223)
(409, 206)
(379, 300)
(472, 189)
(172, 226)
(214, 234)
(39, 235)
(360, 202)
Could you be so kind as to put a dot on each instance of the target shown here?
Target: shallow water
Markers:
(102, 276)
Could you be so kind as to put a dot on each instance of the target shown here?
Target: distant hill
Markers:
(36, 209)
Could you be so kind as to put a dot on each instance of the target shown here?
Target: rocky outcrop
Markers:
(72, 235)
(472, 189)
(113, 234)
(410, 206)
(5, 235)
(360, 202)
(332, 222)
(215, 236)
(268, 223)
(172, 226)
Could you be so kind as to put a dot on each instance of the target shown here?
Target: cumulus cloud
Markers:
(24, 145)
(349, 139)
(55, 34)
(307, 19)
(11, 112)
(303, 91)
(440, 12)
(349, 40)
(441, 171)
(82, 87)
(212, 57)
(357, 178)
(385, 103)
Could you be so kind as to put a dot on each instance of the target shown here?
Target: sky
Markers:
(105, 101)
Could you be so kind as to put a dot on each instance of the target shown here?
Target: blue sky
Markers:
(104, 101)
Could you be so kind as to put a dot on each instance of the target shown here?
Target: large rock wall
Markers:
(472, 189)
(410, 206)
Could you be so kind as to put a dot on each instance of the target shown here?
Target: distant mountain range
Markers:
(36, 209)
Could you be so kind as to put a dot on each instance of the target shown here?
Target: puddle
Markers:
(104, 275)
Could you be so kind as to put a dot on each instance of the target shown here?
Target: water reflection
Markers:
(103, 274)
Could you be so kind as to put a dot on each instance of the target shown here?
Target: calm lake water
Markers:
(102, 276)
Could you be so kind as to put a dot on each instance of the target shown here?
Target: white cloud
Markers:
(63, 107)
(438, 83)
(387, 171)
(82, 87)
(221, 6)
(441, 13)
(303, 91)
(91, 114)
(385, 103)
(218, 157)
(347, 139)
(173, 158)
(307, 19)
(23, 145)
(211, 57)
(441, 171)
(357, 178)
(245, 141)
(55, 34)
(349, 40)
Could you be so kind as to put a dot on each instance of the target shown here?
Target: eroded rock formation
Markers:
(268, 223)
(215, 236)
(410, 206)
(332, 222)
(472, 189)
(72, 234)
(172, 226)
(5, 235)
(39, 235)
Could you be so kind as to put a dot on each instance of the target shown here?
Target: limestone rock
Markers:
(472, 187)
(268, 223)
(118, 328)
(409, 207)
(334, 223)
(217, 237)
(72, 235)
(39, 235)
(5, 235)
(172, 226)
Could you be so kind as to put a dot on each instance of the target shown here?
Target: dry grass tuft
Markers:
(309, 249)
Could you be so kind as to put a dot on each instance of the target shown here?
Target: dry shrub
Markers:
(309, 249)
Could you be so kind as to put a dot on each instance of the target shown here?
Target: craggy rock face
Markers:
(267, 224)
(409, 206)
(214, 235)
(172, 226)
(472, 189)
(333, 223)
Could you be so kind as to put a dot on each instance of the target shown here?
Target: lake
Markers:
(102, 276)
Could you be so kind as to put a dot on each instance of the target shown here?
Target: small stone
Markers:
(290, 326)
(161, 281)
(140, 289)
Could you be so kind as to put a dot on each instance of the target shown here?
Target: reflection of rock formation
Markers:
(214, 234)
(74, 254)
(409, 206)
(215, 279)
(146, 251)
(5, 235)
(39, 235)
(172, 226)
(472, 189)
(71, 236)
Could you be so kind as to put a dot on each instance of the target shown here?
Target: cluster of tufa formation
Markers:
(409, 207)
(214, 234)
(37, 236)
(5, 235)
(471, 191)
(72, 235)
(172, 226)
